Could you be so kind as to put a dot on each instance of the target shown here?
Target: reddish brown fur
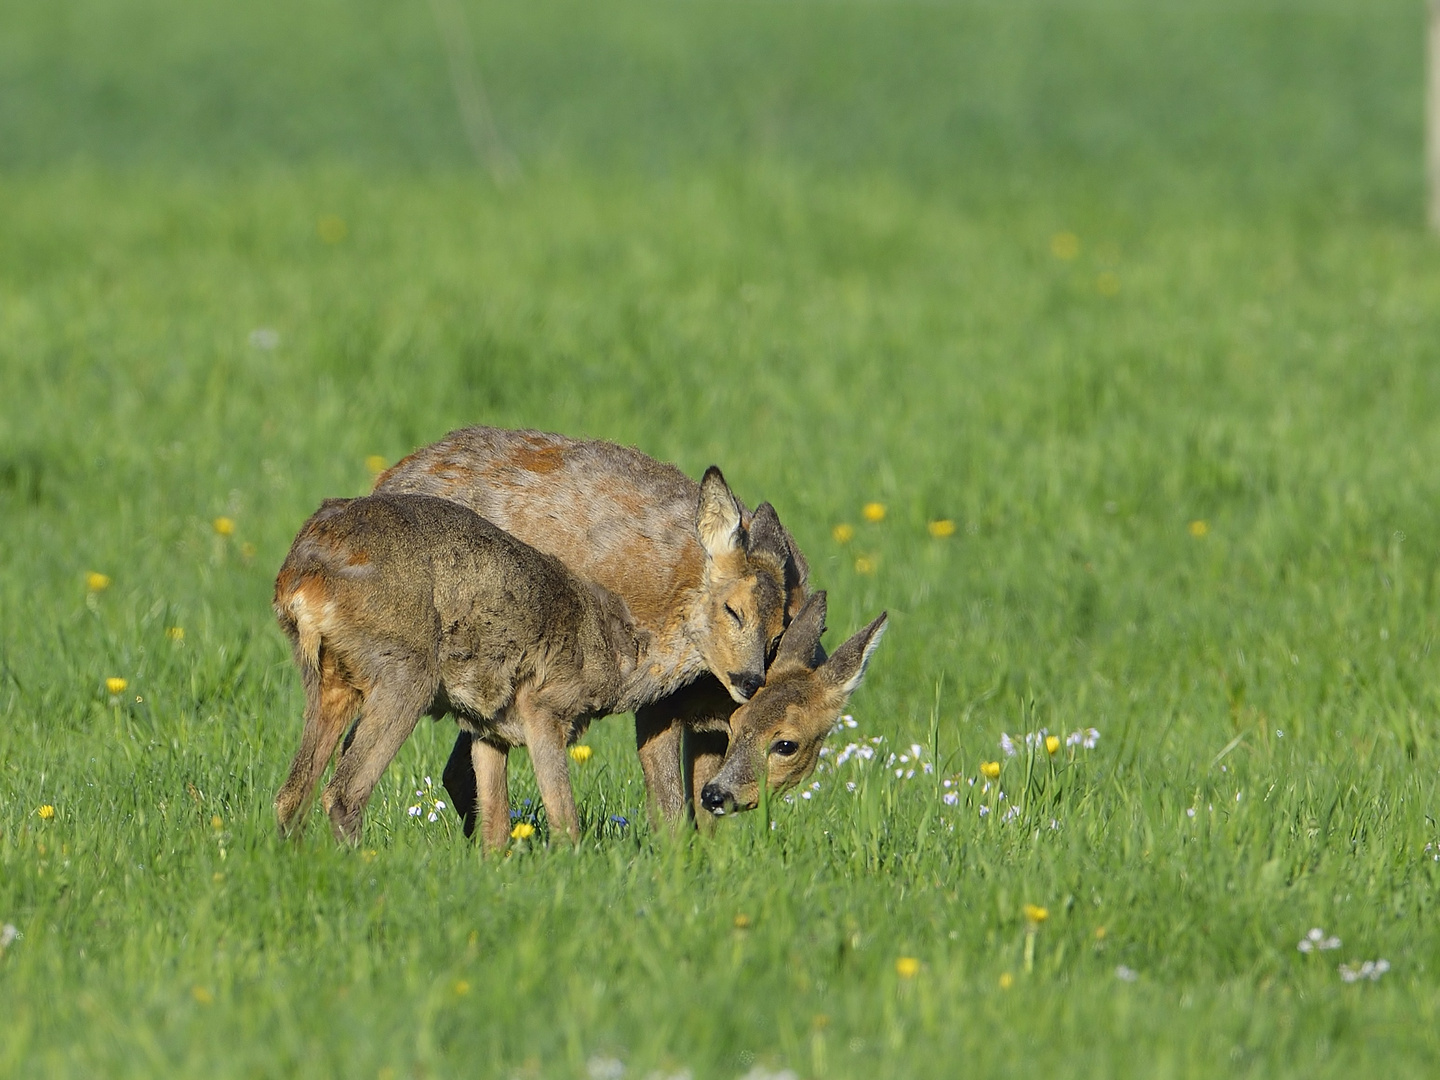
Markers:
(627, 522)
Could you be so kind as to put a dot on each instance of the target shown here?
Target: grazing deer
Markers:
(713, 592)
(777, 734)
(403, 605)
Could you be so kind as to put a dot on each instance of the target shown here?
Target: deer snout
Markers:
(746, 682)
(715, 800)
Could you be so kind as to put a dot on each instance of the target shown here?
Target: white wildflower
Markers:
(1125, 974)
(950, 798)
(1316, 940)
(600, 1067)
(8, 934)
(1007, 744)
(1370, 969)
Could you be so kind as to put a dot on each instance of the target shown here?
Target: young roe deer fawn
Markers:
(400, 606)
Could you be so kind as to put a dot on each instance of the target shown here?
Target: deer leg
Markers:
(487, 768)
(545, 738)
(330, 704)
(657, 741)
(704, 754)
(391, 711)
(461, 776)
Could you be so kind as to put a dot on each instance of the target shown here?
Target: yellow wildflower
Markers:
(1036, 914)
(942, 528)
(116, 685)
(96, 581)
(843, 533)
(742, 921)
(864, 565)
(580, 754)
(907, 967)
(1199, 528)
(202, 995)
(46, 812)
(990, 769)
(523, 830)
(175, 633)
(1052, 743)
(1006, 980)
(1099, 933)
(224, 526)
(375, 463)
(331, 228)
(217, 877)
(461, 987)
(216, 823)
(1065, 245)
(874, 511)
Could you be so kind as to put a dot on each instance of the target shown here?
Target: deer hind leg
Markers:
(331, 702)
(545, 738)
(486, 764)
(461, 776)
(657, 741)
(392, 708)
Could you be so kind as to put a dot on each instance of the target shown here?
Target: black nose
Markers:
(747, 683)
(712, 799)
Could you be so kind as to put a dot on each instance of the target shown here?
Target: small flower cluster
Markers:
(1042, 739)
(1316, 941)
(1370, 969)
(908, 764)
(427, 802)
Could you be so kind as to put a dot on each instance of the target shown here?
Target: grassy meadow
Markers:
(1134, 295)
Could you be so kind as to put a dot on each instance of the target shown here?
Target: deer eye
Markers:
(734, 615)
(784, 747)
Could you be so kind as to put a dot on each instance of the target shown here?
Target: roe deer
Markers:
(714, 597)
(777, 734)
(403, 605)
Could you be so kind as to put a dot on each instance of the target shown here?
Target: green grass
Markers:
(813, 243)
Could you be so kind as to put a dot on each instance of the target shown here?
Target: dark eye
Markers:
(784, 747)
(734, 615)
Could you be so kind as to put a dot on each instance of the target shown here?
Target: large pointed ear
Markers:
(847, 667)
(766, 535)
(797, 577)
(800, 644)
(769, 536)
(717, 517)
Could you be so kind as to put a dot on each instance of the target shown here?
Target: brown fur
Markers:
(403, 605)
(628, 523)
(778, 733)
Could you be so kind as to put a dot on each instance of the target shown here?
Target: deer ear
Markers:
(846, 668)
(766, 534)
(797, 576)
(717, 516)
(800, 644)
